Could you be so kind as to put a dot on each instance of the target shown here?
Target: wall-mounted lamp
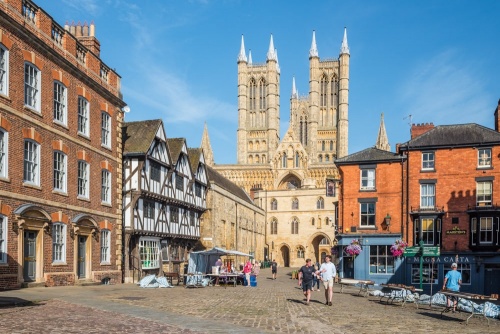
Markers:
(387, 220)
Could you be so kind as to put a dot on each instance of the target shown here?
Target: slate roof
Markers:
(194, 155)
(369, 155)
(215, 177)
(138, 136)
(175, 148)
(456, 135)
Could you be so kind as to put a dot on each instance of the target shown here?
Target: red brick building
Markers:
(60, 153)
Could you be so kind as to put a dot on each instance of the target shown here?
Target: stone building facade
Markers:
(60, 156)
(297, 165)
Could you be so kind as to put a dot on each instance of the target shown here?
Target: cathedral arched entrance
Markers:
(285, 255)
(321, 246)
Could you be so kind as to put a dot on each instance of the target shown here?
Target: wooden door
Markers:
(82, 246)
(29, 255)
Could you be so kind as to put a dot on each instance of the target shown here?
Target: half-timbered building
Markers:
(163, 199)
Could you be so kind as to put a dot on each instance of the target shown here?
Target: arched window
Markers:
(320, 203)
(264, 158)
(331, 145)
(323, 91)
(297, 159)
(274, 226)
(327, 158)
(250, 145)
(295, 226)
(312, 221)
(333, 92)
(320, 158)
(252, 91)
(257, 159)
(323, 145)
(324, 241)
(262, 94)
(300, 252)
(274, 204)
(295, 204)
(257, 146)
(250, 159)
(283, 160)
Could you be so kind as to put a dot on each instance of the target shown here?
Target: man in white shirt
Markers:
(328, 273)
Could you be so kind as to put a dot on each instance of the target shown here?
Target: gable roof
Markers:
(215, 177)
(138, 136)
(456, 135)
(194, 155)
(369, 155)
(175, 147)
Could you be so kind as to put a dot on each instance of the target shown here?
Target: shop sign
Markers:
(456, 231)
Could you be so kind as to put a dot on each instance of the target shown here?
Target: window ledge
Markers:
(367, 227)
(30, 185)
(60, 192)
(106, 204)
(105, 263)
(83, 135)
(86, 199)
(107, 147)
(367, 190)
(62, 125)
(6, 97)
(5, 179)
(484, 168)
(428, 170)
(33, 110)
(57, 264)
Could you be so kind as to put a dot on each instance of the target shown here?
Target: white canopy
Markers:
(202, 261)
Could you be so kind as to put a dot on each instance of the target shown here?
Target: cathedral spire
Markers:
(345, 47)
(295, 94)
(313, 52)
(382, 140)
(249, 57)
(277, 61)
(271, 53)
(206, 147)
(242, 56)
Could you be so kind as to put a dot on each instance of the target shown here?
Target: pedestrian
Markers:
(247, 269)
(452, 282)
(274, 268)
(306, 278)
(328, 273)
(316, 278)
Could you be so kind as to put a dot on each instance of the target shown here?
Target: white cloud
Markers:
(88, 6)
(444, 90)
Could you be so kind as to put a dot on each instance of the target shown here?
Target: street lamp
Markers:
(387, 220)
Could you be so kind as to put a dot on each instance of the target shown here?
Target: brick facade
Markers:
(34, 207)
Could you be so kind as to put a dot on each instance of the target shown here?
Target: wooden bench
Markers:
(364, 284)
(170, 277)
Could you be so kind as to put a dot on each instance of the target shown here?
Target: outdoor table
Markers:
(468, 297)
(225, 278)
(391, 293)
(364, 284)
(194, 280)
(170, 277)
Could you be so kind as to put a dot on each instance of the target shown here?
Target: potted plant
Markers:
(354, 249)
(398, 248)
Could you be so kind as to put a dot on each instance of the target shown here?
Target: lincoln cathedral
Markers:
(286, 176)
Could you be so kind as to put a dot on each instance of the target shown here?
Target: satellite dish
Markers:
(126, 109)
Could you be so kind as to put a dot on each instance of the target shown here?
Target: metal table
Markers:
(468, 297)
(391, 295)
(364, 284)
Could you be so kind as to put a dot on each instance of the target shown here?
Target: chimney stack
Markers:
(420, 129)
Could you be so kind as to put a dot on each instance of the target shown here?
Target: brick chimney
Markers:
(86, 35)
(497, 117)
(420, 129)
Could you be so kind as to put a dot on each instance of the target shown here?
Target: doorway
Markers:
(82, 247)
(30, 256)
(348, 266)
(285, 256)
(491, 279)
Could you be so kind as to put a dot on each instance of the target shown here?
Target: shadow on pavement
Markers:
(8, 302)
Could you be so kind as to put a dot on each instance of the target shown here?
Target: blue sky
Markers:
(438, 61)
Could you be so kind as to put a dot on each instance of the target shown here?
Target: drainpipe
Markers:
(236, 225)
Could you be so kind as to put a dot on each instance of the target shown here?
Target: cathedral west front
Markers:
(287, 176)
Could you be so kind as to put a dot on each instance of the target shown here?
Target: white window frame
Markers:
(83, 179)
(83, 116)
(58, 242)
(484, 158)
(427, 267)
(367, 177)
(464, 269)
(486, 230)
(60, 107)
(31, 173)
(4, 154)
(381, 260)
(426, 197)
(428, 160)
(32, 86)
(106, 186)
(60, 171)
(105, 246)
(4, 70)
(367, 218)
(3, 238)
(149, 250)
(105, 129)
(484, 193)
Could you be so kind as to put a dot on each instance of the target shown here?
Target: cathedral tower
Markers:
(258, 107)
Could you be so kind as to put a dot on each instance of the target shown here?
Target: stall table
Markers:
(223, 278)
(391, 293)
(470, 298)
(363, 284)
(194, 280)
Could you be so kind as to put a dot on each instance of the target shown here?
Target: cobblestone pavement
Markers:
(272, 306)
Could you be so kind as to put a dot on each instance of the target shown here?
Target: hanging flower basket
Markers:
(354, 248)
(398, 248)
